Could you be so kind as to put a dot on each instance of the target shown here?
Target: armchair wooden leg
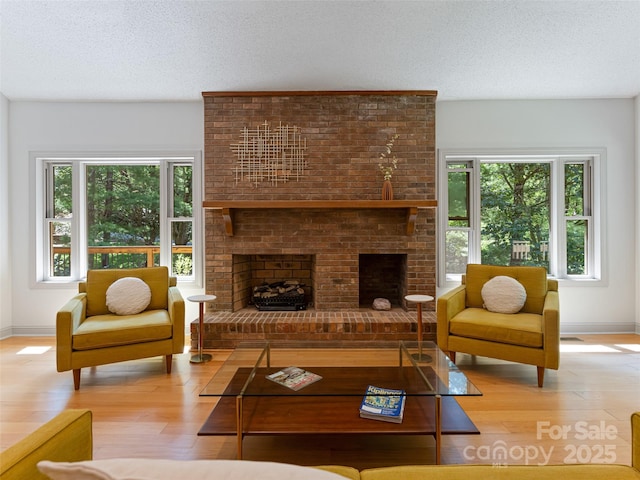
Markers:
(452, 356)
(76, 379)
(169, 361)
(540, 376)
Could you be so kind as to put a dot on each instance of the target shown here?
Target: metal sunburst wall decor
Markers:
(270, 155)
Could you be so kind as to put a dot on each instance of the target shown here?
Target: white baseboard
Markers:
(6, 332)
(608, 327)
(33, 332)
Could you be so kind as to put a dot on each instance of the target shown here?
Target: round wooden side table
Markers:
(419, 300)
(201, 299)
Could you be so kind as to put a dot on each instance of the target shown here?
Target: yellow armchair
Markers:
(531, 336)
(88, 334)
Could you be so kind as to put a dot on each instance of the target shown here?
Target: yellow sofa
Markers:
(68, 438)
(88, 334)
(531, 336)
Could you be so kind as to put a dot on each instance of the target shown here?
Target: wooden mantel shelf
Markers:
(228, 206)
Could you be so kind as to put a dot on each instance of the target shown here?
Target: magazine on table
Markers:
(384, 404)
(294, 378)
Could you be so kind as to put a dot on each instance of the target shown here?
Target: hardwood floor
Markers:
(140, 411)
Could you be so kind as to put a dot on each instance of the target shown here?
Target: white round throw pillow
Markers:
(503, 294)
(164, 469)
(128, 296)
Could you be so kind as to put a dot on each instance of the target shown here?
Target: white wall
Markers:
(40, 126)
(5, 245)
(637, 134)
(81, 127)
(570, 123)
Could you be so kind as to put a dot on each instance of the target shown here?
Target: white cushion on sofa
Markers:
(128, 296)
(161, 469)
(503, 294)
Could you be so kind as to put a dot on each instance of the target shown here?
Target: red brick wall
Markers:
(345, 134)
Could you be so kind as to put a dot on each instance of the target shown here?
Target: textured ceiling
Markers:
(174, 50)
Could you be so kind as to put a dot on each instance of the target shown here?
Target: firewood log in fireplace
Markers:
(283, 295)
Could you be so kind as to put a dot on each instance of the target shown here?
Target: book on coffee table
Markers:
(294, 378)
(384, 404)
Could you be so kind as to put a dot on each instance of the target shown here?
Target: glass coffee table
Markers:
(251, 404)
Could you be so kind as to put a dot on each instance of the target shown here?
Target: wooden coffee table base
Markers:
(313, 415)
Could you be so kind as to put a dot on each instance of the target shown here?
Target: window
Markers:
(521, 209)
(115, 212)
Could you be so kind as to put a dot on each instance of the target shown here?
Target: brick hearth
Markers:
(227, 329)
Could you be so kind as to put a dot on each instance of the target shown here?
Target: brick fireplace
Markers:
(326, 226)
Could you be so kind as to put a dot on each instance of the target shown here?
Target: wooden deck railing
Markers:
(145, 256)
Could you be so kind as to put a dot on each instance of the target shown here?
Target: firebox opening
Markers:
(382, 275)
(253, 272)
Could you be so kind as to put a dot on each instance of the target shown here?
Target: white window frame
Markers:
(39, 162)
(558, 157)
